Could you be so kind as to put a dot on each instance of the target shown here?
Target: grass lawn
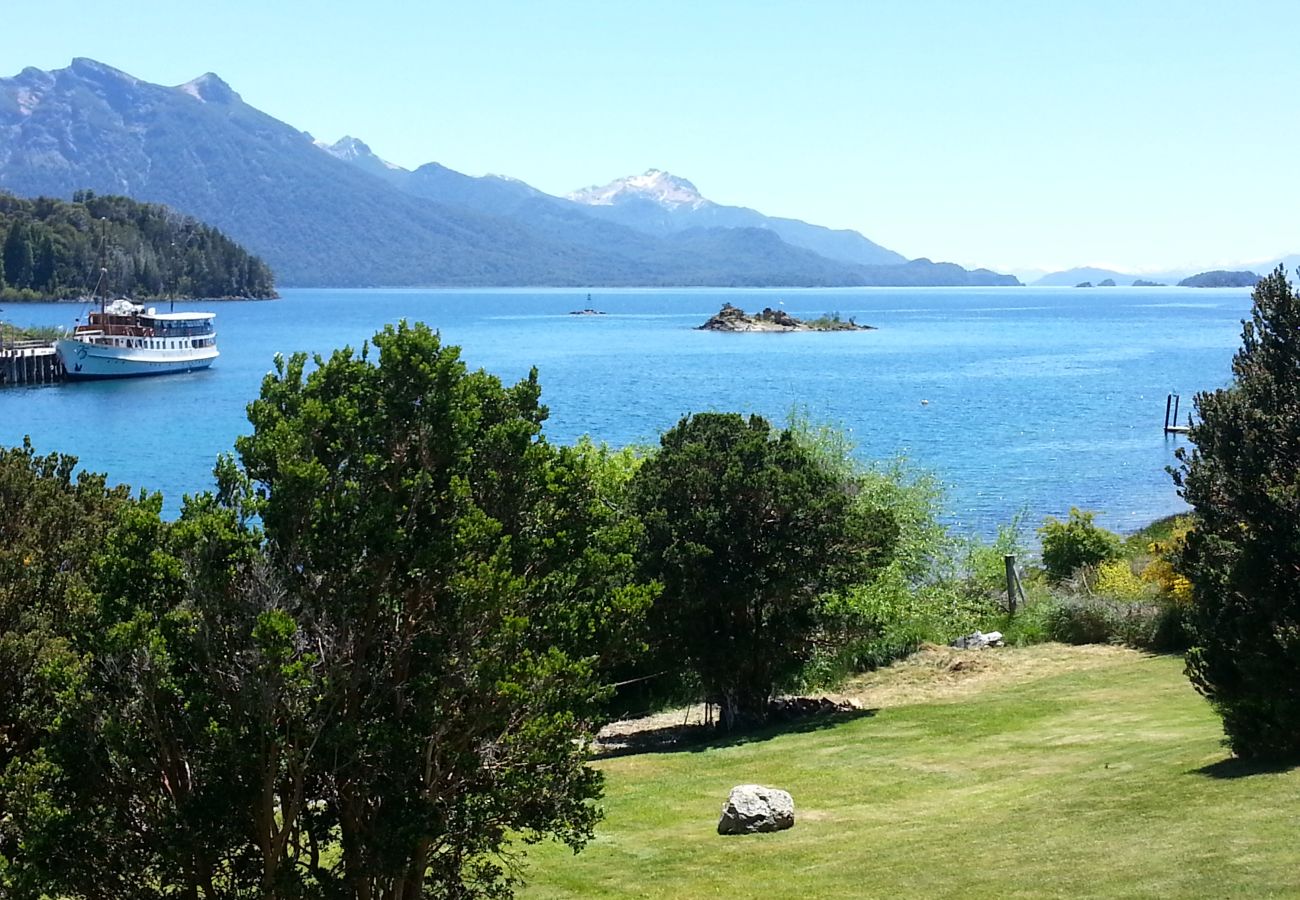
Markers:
(1049, 770)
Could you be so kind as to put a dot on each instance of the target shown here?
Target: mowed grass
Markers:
(1081, 772)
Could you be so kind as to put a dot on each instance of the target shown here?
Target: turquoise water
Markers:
(1039, 398)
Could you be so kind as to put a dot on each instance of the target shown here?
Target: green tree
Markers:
(1075, 543)
(18, 256)
(365, 667)
(1243, 554)
(746, 530)
(53, 524)
(45, 263)
(459, 582)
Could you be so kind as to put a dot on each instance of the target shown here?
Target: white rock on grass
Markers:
(752, 808)
(977, 640)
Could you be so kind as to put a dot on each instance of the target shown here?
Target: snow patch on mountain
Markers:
(655, 185)
(350, 149)
(209, 88)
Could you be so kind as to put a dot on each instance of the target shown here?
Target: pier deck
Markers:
(30, 362)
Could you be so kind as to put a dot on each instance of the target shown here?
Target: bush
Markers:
(1164, 553)
(1155, 625)
(1114, 580)
(920, 594)
(1081, 621)
(1074, 543)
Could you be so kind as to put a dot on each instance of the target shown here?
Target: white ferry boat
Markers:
(124, 339)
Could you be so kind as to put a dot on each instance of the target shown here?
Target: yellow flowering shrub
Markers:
(1160, 571)
(1115, 579)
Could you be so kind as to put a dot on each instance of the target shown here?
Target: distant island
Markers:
(733, 318)
(1143, 283)
(54, 250)
(1220, 278)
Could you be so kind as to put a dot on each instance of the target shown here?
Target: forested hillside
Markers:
(55, 249)
(353, 221)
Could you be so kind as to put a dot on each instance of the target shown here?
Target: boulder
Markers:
(751, 808)
(977, 640)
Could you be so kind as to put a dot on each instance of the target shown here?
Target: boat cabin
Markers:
(126, 324)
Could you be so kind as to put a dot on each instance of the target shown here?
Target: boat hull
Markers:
(85, 362)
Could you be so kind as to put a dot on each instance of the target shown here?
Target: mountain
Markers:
(758, 248)
(1071, 277)
(660, 203)
(359, 154)
(1220, 278)
(339, 215)
(200, 149)
(1288, 263)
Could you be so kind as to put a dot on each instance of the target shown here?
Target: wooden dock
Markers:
(1171, 416)
(30, 362)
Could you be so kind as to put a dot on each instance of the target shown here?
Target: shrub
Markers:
(1156, 625)
(1081, 621)
(1075, 543)
(1164, 553)
(920, 594)
(1114, 580)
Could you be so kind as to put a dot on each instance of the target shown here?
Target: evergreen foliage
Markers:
(53, 249)
(464, 584)
(367, 667)
(746, 530)
(1243, 554)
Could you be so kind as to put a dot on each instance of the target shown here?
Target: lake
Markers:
(1039, 399)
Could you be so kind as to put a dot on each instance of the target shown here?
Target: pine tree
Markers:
(45, 266)
(1243, 557)
(18, 256)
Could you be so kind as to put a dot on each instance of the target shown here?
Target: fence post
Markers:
(1010, 560)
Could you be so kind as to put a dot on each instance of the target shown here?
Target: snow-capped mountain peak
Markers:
(350, 149)
(209, 88)
(657, 186)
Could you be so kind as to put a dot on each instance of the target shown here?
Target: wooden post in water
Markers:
(1169, 402)
(1177, 399)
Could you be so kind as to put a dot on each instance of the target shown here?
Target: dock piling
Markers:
(30, 362)
(1171, 419)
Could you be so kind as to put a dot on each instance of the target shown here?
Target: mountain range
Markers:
(338, 215)
(1071, 277)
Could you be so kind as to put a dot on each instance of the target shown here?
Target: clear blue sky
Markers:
(1026, 134)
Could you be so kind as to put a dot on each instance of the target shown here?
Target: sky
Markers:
(1021, 136)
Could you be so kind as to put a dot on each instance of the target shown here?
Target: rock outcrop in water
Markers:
(733, 318)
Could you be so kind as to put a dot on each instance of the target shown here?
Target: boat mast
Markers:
(103, 261)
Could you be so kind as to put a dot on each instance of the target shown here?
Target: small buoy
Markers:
(925, 402)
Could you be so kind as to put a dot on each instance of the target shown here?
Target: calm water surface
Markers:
(1039, 398)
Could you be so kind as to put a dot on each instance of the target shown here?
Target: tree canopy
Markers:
(746, 529)
(367, 666)
(54, 249)
(1243, 555)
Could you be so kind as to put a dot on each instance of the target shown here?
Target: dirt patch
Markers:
(933, 674)
(943, 673)
(687, 726)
